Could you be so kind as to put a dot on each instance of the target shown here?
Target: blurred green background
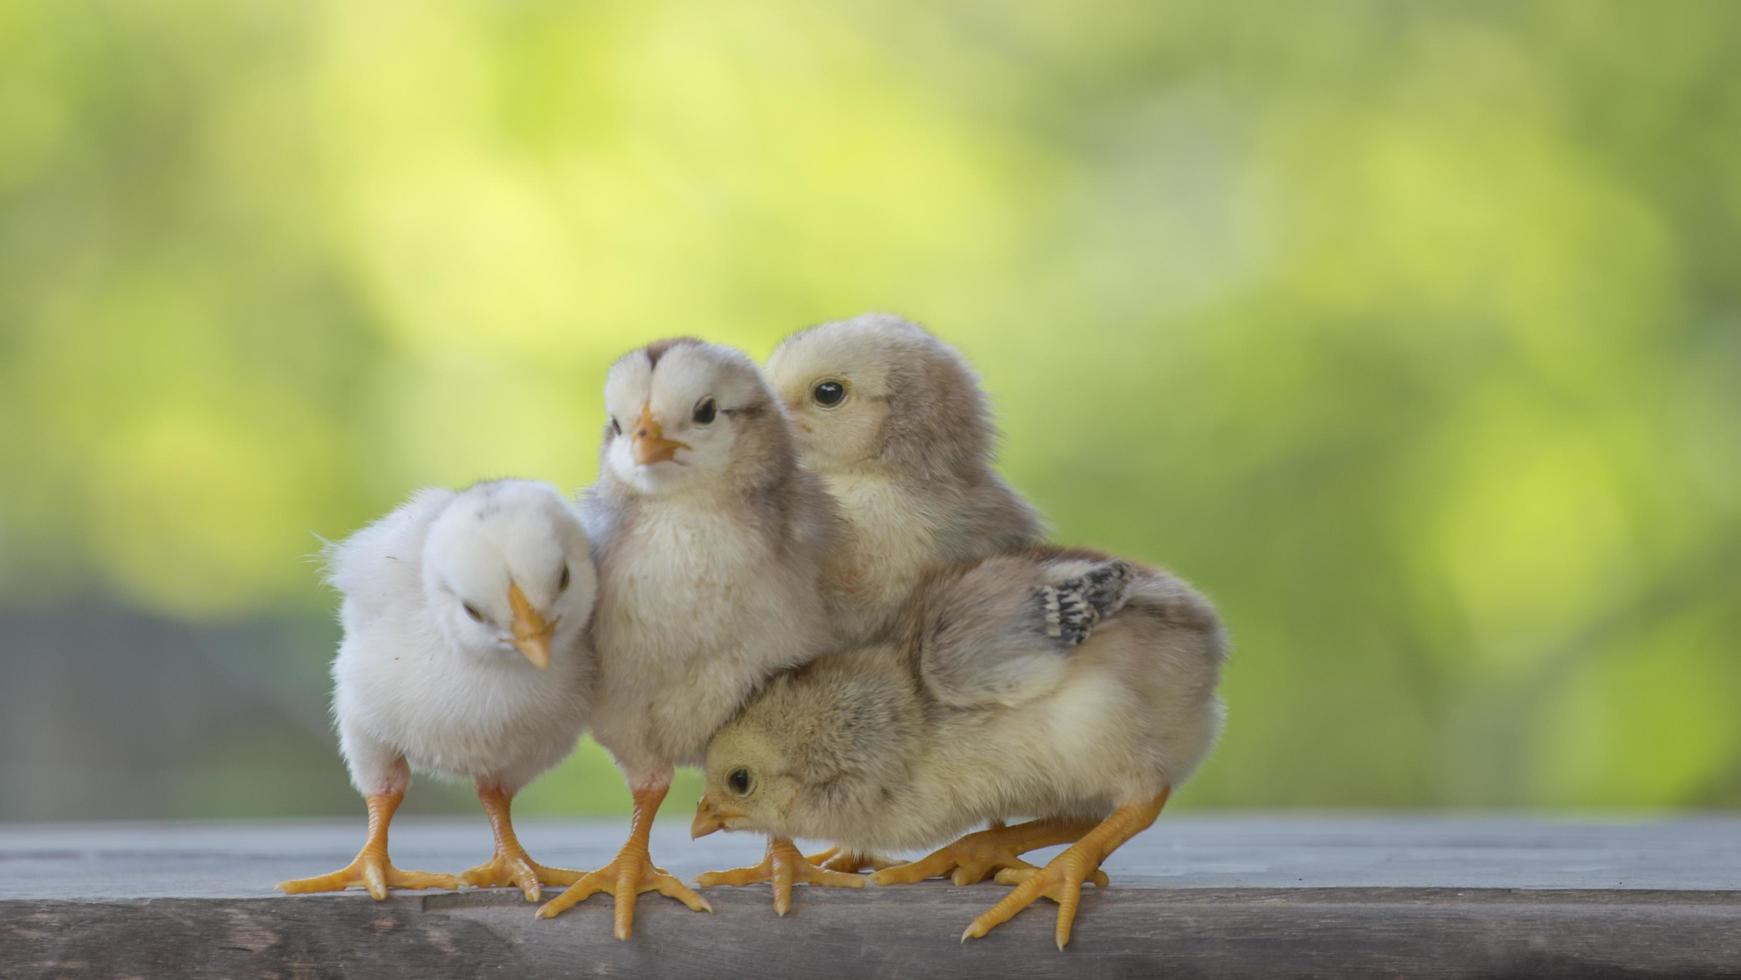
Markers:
(1410, 331)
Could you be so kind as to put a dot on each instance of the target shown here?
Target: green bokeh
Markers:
(1411, 332)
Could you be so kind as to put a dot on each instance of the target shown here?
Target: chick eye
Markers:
(739, 781)
(472, 611)
(704, 412)
(829, 393)
(562, 583)
(616, 427)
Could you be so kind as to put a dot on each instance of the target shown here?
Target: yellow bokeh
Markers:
(1408, 333)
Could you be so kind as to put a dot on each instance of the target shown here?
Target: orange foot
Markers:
(1061, 880)
(976, 856)
(511, 865)
(371, 868)
(516, 868)
(783, 866)
(851, 862)
(368, 870)
(629, 874)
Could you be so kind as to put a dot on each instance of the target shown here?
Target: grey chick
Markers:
(1055, 684)
(894, 421)
(709, 540)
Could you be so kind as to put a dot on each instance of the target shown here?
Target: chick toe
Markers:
(514, 868)
(849, 861)
(979, 855)
(1061, 879)
(510, 865)
(782, 867)
(371, 868)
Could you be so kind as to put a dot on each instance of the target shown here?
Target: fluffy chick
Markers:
(710, 540)
(1055, 684)
(894, 421)
(464, 654)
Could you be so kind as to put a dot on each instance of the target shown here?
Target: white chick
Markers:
(465, 654)
(710, 540)
(895, 423)
(1053, 684)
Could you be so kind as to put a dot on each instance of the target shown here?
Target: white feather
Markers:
(415, 680)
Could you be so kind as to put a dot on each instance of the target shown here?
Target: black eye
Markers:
(472, 611)
(704, 412)
(616, 428)
(828, 393)
(562, 583)
(739, 781)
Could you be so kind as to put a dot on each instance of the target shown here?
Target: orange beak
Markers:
(650, 444)
(531, 633)
(709, 818)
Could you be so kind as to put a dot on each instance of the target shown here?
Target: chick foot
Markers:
(371, 868)
(783, 866)
(629, 874)
(1061, 880)
(852, 862)
(976, 856)
(514, 867)
(511, 865)
(372, 871)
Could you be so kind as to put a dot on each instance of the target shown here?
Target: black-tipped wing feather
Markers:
(1069, 610)
(998, 631)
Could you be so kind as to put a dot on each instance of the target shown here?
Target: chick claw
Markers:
(851, 862)
(516, 868)
(1061, 881)
(369, 870)
(977, 856)
(626, 877)
(783, 867)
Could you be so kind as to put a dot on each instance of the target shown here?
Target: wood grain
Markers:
(1147, 924)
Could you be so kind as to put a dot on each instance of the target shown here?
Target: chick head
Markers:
(684, 412)
(877, 388)
(811, 754)
(507, 571)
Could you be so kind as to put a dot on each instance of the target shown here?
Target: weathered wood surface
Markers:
(1198, 896)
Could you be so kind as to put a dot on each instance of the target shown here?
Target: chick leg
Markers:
(371, 868)
(1061, 880)
(783, 867)
(510, 864)
(838, 858)
(976, 856)
(630, 873)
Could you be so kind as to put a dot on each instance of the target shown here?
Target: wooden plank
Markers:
(1202, 895)
(243, 860)
(890, 932)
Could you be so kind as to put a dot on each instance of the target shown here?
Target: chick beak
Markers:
(531, 632)
(650, 444)
(710, 818)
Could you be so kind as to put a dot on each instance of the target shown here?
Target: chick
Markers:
(710, 540)
(1055, 684)
(895, 423)
(464, 654)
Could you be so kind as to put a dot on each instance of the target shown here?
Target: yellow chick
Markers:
(1054, 684)
(895, 423)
